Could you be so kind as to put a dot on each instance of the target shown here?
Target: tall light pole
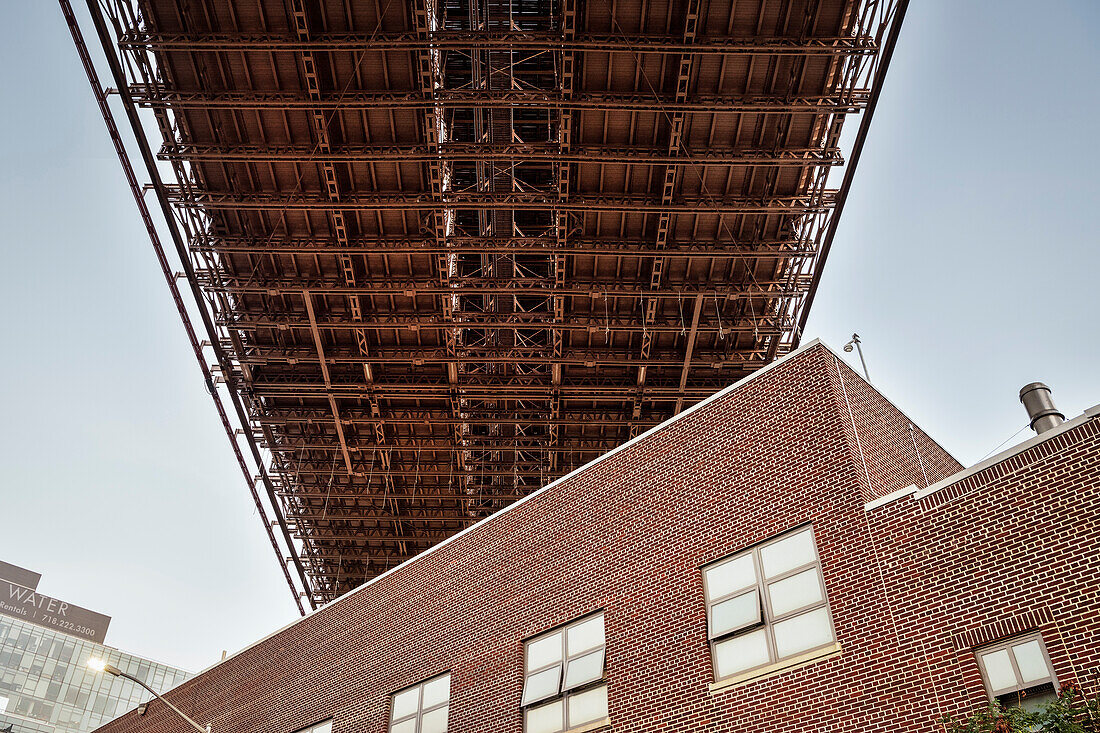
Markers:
(848, 348)
(101, 666)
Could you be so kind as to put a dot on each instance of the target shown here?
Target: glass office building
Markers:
(46, 685)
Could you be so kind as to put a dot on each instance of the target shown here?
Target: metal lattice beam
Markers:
(447, 252)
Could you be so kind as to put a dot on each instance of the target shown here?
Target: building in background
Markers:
(45, 644)
(791, 554)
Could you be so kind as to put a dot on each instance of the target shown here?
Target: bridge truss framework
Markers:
(446, 251)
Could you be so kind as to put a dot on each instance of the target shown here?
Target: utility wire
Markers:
(987, 455)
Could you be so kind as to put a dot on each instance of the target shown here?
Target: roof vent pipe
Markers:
(1040, 407)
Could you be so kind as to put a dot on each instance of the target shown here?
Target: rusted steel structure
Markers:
(448, 251)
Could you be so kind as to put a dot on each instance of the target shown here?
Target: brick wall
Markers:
(1010, 549)
(629, 535)
(879, 433)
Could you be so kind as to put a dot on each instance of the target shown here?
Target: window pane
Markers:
(436, 691)
(588, 706)
(788, 553)
(584, 669)
(584, 636)
(741, 652)
(434, 721)
(405, 726)
(806, 631)
(735, 613)
(797, 591)
(542, 685)
(998, 670)
(1030, 661)
(544, 651)
(545, 718)
(405, 703)
(730, 576)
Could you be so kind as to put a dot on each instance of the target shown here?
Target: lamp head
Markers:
(100, 665)
(848, 347)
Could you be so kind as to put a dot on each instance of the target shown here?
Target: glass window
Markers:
(561, 669)
(767, 604)
(422, 708)
(1018, 671)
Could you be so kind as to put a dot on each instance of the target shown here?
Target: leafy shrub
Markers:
(1071, 712)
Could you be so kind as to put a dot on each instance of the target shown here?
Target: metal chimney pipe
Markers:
(1040, 407)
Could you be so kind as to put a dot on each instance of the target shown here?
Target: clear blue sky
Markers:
(967, 260)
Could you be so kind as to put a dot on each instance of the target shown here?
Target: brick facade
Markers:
(914, 583)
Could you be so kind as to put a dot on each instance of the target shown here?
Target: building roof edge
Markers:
(802, 348)
(892, 496)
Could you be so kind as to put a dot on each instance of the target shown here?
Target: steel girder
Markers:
(160, 97)
(274, 245)
(464, 41)
(527, 152)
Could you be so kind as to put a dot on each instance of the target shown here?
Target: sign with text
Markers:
(18, 575)
(21, 602)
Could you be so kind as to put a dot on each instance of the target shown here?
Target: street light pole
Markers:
(101, 666)
(859, 348)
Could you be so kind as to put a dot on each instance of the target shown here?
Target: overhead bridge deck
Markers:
(446, 251)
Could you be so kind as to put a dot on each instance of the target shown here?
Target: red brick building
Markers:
(790, 554)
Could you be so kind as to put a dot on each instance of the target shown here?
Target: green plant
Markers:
(1071, 712)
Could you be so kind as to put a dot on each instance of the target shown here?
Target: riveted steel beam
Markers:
(462, 41)
(168, 98)
(525, 153)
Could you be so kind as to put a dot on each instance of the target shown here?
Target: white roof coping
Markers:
(893, 495)
(656, 428)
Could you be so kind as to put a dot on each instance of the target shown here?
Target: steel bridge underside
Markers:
(453, 249)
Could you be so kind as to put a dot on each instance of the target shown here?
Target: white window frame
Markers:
(563, 693)
(417, 715)
(765, 617)
(1020, 686)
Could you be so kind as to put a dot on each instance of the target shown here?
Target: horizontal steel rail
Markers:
(194, 152)
(425, 388)
(243, 284)
(427, 444)
(525, 321)
(165, 98)
(421, 416)
(444, 40)
(494, 355)
(384, 201)
(620, 246)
